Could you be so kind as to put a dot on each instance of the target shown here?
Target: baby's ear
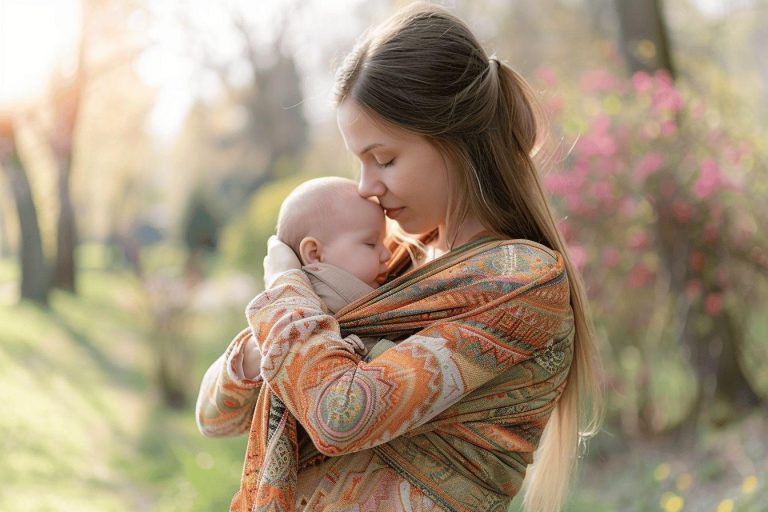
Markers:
(310, 250)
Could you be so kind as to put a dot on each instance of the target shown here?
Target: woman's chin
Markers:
(414, 229)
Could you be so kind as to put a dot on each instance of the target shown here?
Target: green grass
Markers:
(82, 424)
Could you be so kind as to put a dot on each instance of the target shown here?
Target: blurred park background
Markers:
(145, 146)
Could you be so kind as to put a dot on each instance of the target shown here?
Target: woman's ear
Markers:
(310, 250)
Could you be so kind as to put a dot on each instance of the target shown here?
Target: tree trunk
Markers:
(64, 272)
(5, 244)
(711, 341)
(67, 101)
(643, 36)
(34, 271)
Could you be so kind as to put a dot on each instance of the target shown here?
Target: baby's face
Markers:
(358, 246)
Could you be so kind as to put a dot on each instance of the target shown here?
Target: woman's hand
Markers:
(280, 258)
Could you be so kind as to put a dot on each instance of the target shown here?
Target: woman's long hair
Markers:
(424, 71)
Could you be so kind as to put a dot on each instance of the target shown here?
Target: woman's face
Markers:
(401, 169)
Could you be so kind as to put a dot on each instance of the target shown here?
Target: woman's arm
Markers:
(347, 405)
(229, 389)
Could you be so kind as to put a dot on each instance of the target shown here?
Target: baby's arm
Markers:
(227, 394)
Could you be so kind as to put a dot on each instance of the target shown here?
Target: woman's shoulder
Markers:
(517, 259)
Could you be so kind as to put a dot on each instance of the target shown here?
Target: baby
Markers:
(339, 238)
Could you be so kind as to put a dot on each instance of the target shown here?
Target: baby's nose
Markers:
(386, 254)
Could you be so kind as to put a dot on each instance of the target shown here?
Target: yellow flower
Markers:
(749, 485)
(661, 472)
(671, 502)
(725, 506)
(684, 481)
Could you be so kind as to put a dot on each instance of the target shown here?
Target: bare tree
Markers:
(67, 96)
(67, 104)
(34, 269)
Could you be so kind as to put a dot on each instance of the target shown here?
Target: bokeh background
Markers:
(145, 146)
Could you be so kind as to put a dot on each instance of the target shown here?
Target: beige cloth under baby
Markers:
(338, 288)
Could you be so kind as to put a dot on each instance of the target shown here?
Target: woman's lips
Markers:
(394, 212)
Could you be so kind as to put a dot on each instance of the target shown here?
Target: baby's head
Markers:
(325, 220)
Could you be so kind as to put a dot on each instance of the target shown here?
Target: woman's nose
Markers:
(369, 184)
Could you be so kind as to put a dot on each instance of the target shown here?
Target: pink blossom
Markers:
(555, 183)
(547, 75)
(598, 142)
(650, 130)
(554, 106)
(681, 211)
(709, 179)
(649, 165)
(598, 80)
(602, 191)
(693, 289)
(611, 257)
(663, 77)
(607, 166)
(735, 153)
(601, 124)
(628, 207)
(697, 109)
(710, 232)
(642, 82)
(713, 303)
(668, 128)
(667, 188)
(575, 203)
(578, 256)
(639, 276)
(697, 261)
(639, 240)
(667, 99)
(565, 185)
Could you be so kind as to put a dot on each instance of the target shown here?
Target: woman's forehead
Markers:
(362, 131)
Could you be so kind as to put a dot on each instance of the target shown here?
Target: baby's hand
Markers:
(252, 360)
(355, 345)
(280, 258)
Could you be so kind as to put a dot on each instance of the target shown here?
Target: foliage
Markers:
(200, 225)
(659, 216)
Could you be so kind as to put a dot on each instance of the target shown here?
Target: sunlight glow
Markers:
(35, 37)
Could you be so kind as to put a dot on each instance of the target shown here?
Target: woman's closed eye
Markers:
(384, 165)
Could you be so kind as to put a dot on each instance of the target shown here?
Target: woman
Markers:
(490, 316)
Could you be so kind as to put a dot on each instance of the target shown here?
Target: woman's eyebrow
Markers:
(370, 147)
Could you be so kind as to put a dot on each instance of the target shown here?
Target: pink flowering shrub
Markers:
(654, 198)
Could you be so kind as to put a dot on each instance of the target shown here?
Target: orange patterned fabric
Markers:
(448, 419)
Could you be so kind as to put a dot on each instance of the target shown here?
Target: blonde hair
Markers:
(424, 71)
